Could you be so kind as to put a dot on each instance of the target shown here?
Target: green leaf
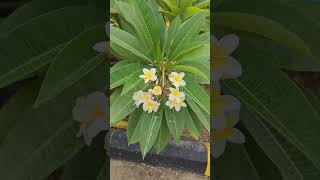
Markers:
(87, 163)
(200, 54)
(270, 145)
(186, 48)
(37, 43)
(33, 10)
(72, 63)
(195, 92)
(191, 11)
(191, 126)
(171, 32)
(235, 157)
(119, 74)
(132, 82)
(133, 122)
(163, 136)
(128, 42)
(192, 70)
(277, 88)
(122, 107)
(17, 104)
(176, 122)
(150, 127)
(203, 116)
(203, 4)
(146, 24)
(187, 31)
(262, 26)
(54, 141)
(160, 21)
(114, 95)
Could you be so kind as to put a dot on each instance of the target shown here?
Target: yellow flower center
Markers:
(176, 93)
(177, 79)
(148, 76)
(98, 112)
(157, 90)
(223, 135)
(150, 106)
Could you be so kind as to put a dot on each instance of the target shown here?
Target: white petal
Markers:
(101, 47)
(184, 104)
(171, 89)
(154, 78)
(214, 41)
(141, 76)
(229, 43)
(183, 83)
(216, 74)
(153, 70)
(181, 74)
(237, 137)
(219, 121)
(231, 103)
(218, 148)
(96, 127)
(231, 68)
(145, 70)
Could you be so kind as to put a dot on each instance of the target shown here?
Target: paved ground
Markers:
(124, 170)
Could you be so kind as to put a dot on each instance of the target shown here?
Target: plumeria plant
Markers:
(158, 79)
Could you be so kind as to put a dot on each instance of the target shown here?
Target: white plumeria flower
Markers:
(151, 106)
(228, 134)
(92, 112)
(223, 104)
(176, 95)
(224, 66)
(103, 47)
(149, 75)
(177, 79)
(141, 97)
(176, 105)
(156, 90)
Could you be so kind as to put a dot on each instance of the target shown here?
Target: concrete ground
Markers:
(124, 170)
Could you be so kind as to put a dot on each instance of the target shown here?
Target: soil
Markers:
(124, 170)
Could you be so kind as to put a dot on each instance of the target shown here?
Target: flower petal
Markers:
(145, 70)
(153, 70)
(231, 103)
(231, 68)
(229, 43)
(218, 148)
(181, 74)
(214, 41)
(237, 137)
(101, 47)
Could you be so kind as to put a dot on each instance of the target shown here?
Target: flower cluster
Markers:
(226, 108)
(149, 99)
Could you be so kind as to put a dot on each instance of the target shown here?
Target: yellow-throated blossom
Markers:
(228, 134)
(141, 97)
(176, 95)
(151, 106)
(148, 75)
(177, 79)
(156, 90)
(223, 65)
(91, 112)
(176, 105)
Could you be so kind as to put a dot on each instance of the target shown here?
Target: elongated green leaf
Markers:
(270, 145)
(235, 157)
(277, 88)
(203, 116)
(16, 105)
(202, 69)
(163, 136)
(160, 21)
(122, 107)
(135, 138)
(54, 141)
(192, 70)
(186, 48)
(147, 24)
(150, 127)
(262, 26)
(187, 31)
(195, 92)
(128, 42)
(32, 10)
(203, 4)
(37, 42)
(176, 122)
(118, 76)
(200, 54)
(87, 163)
(191, 126)
(171, 33)
(132, 82)
(133, 122)
(114, 95)
(72, 63)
